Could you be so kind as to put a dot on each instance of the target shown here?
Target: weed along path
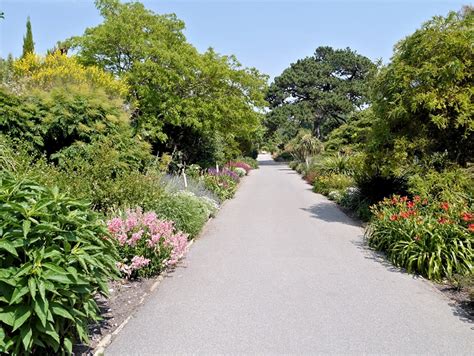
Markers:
(283, 270)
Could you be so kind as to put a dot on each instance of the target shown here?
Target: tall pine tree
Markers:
(28, 44)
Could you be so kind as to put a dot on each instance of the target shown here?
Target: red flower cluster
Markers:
(443, 220)
(470, 227)
(445, 206)
(467, 216)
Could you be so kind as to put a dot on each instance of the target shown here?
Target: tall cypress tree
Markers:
(28, 44)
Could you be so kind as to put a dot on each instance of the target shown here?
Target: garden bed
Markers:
(125, 298)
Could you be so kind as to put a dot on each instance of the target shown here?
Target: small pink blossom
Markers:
(115, 225)
(139, 262)
(122, 239)
(135, 237)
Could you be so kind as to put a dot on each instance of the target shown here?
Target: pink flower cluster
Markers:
(239, 165)
(138, 230)
(139, 262)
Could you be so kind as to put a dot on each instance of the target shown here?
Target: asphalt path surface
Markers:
(283, 270)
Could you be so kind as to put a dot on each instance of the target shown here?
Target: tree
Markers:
(28, 44)
(424, 98)
(179, 95)
(322, 89)
(303, 146)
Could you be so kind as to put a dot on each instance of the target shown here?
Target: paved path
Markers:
(282, 270)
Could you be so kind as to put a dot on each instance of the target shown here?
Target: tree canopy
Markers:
(424, 98)
(176, 91)
(319, 91)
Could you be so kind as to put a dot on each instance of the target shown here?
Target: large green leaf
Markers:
(22, 313)
(9, 247)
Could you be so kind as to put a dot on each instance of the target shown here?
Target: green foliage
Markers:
(55, 120)
(352, 135)
(423, 99)
(427, 237)
(318, 92)
(54, 256)
(109, 173)
(325, 184)
(283, 156)
(454, 185)
(353, 200)
(304, 146)
(188, 211)
(28, 44)
(186, 101)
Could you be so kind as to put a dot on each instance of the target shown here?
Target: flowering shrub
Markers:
(252, 162)
(223, 173)
(145, 243)
(242, 165)
(427, 237)
(222, 184)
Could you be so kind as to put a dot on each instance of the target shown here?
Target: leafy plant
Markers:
(325, 183)
(424, 236)
(55, 255)
(187, 211)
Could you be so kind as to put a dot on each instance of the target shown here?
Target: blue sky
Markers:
(267, 34)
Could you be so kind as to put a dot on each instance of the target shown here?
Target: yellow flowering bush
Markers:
(59, 69)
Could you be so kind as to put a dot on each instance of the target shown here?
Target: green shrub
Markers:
(54, 120)
(353, 200)
(283, 156)
(374, 187)
(187, 211)
(293, 164)
(453, 184)
(55, 255)
(428, 237)
(325, 183)
(301, 168)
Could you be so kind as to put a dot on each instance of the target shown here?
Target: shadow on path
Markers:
(271, 162)
(329, 212)
(464, 310)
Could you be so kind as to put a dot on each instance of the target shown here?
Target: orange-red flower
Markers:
(404, 214)
(445, 206)
(467, 216)
(410, 204)
(417, 198)
(443, 220)
(471, 227)
(394, 217)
